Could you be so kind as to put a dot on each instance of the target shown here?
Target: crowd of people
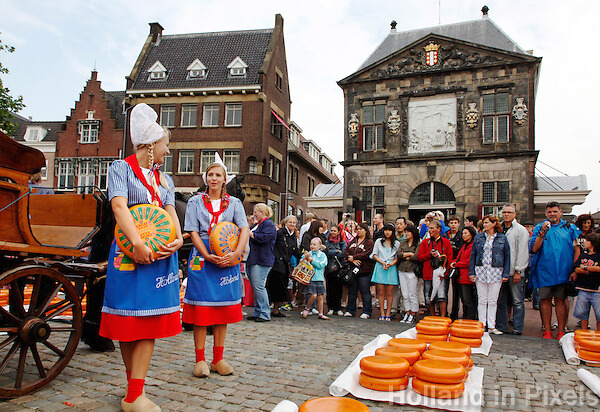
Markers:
(484, 269)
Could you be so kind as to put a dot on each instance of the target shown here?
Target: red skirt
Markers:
(132, 328)
(212, 315)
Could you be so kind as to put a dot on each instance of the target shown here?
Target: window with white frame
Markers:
(206, 158)
(167, 166)
(496, 118)
(188, 115)
(186, 161)
(373, 130)
(33, 134)
(157, 71)
(233, 114)
(252, 165)
(167, 116)
(210, 115)
(196, 70)
(493, 196)
(86, 177)
(277, 128)
(103, 175)
(44, 172)
(274, 168)
(89, 131)
(65, 175)
(237, 68)
(293, 179)
(311, 186)
(231, 158)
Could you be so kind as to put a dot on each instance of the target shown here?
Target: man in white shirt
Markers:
(308, 218)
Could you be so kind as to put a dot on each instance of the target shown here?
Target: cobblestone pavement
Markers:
(298, 359)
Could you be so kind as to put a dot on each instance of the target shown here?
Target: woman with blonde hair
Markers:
(214, 292)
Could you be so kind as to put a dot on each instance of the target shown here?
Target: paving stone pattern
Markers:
(298, 359)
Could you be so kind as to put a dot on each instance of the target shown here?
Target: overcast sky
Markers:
(58, 43)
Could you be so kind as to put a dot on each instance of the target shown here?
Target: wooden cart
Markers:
(41, 239)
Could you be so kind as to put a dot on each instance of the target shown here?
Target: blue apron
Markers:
(141, 290)
(211, 285)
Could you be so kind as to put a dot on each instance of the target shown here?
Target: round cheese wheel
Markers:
(452, 347)
(592, 345)
(471, 363)
(432, 328)
(468, 322)
(223, 239)
(333, 404)
(447, 356)
(380, 366)
(438, 390)
(411, 372)
(440, 371)
(432, 338)
(406, 343)
(466, 331)
(589, 355)
(438, 318)
(382, 384)
(472, 342)
(411, 355)
(587, 332)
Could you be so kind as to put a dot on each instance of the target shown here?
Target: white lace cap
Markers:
(228, 177)
(144, 129)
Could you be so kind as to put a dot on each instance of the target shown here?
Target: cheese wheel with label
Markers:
(406, 343)
(382, 384)
(466, 331)
(592, 345)
(333, 404)
(589, 355)
(447, 356)
(451, 347)
(440, 371)
(432, 338)
(438, 390)
(438, 319)
(468, 322)
(380, 366)
(411, 355)
(432, 328)
(472, 342)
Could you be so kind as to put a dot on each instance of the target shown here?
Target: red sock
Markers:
(128, 373)
(199, 355)
(134, 389)
(217, 353)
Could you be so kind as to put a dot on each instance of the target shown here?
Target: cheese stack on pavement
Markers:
(439, 378)
(456, 347)
(333, 403)
(469, 332)
(587, 343)
(433, 329)
(411, 355)
(384, 373)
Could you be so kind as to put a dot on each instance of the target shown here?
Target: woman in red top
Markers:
(468, 294)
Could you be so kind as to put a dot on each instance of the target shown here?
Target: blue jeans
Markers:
(362, 283)
(258, 278)
(515, 293)
(585, 300)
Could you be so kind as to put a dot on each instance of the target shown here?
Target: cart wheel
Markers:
(37, 340)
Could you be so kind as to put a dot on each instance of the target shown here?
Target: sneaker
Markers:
(496, 331)
(348, 315)
(405, 318)
(411, 319)
(547, 335)
(376, 303)
(340, 313)
(567, 330)
(294, 304)
(330, 312)
(555, 326)
(287, 307)
(364, 316)
(315, 311)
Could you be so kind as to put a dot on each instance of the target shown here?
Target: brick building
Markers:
(442, 118)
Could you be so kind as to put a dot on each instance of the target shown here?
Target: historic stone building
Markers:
(442, 118)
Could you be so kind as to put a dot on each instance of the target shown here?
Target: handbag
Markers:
(303, 272)
(333, 265)
(418, 269)
(347, 273)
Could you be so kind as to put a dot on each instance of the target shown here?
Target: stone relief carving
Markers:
(472, 115)
(353, 125)
(394, 122)
(519, 111)
(432, 124)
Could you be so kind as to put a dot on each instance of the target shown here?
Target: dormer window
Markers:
(237, 68)
(34, 134)
(196, 70)
(157, 72)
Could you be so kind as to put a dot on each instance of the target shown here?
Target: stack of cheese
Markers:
(409, 349)
(467, 331)
(332, 403)
(439, 378)
(384, 373)
(433, 329)
(450, 351)
(587, 343)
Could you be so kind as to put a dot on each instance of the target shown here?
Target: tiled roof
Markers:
(482, 31)
(214, 50)
(115, 103)
(51, 127)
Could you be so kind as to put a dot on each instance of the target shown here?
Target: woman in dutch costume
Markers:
(141, 301)
(214, 290)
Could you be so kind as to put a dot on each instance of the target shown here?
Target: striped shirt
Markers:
(123, 182)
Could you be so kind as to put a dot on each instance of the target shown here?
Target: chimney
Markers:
(393, 27)
(485, 10)
(94, 75)
(155, 30)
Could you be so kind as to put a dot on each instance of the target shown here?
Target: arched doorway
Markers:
(431, 196)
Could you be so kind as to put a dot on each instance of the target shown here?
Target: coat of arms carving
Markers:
(472, 115)
(394, 122)
(519, 111)
(353, 125)
(431, 54)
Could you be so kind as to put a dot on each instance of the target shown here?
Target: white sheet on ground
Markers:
(484, 349)
(285, 406)
(568, 346)
(591, 380)
(347, 382)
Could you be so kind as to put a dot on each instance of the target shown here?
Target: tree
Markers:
(8, 103)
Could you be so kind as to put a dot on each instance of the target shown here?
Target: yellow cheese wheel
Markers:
(468, 322)
(411, 372)
(472, 342)
(407, 343)
(589, 355)
(438, 390)
(382, 384)
(380, 366)
(432, 338)
(447, 356)
(471, 363)
(438, 318)
(411, 355)
(587, 333)
(333, 404)
(592, 345)
(440, 371)
(432, 328)
(452, 347)
(461, 331)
